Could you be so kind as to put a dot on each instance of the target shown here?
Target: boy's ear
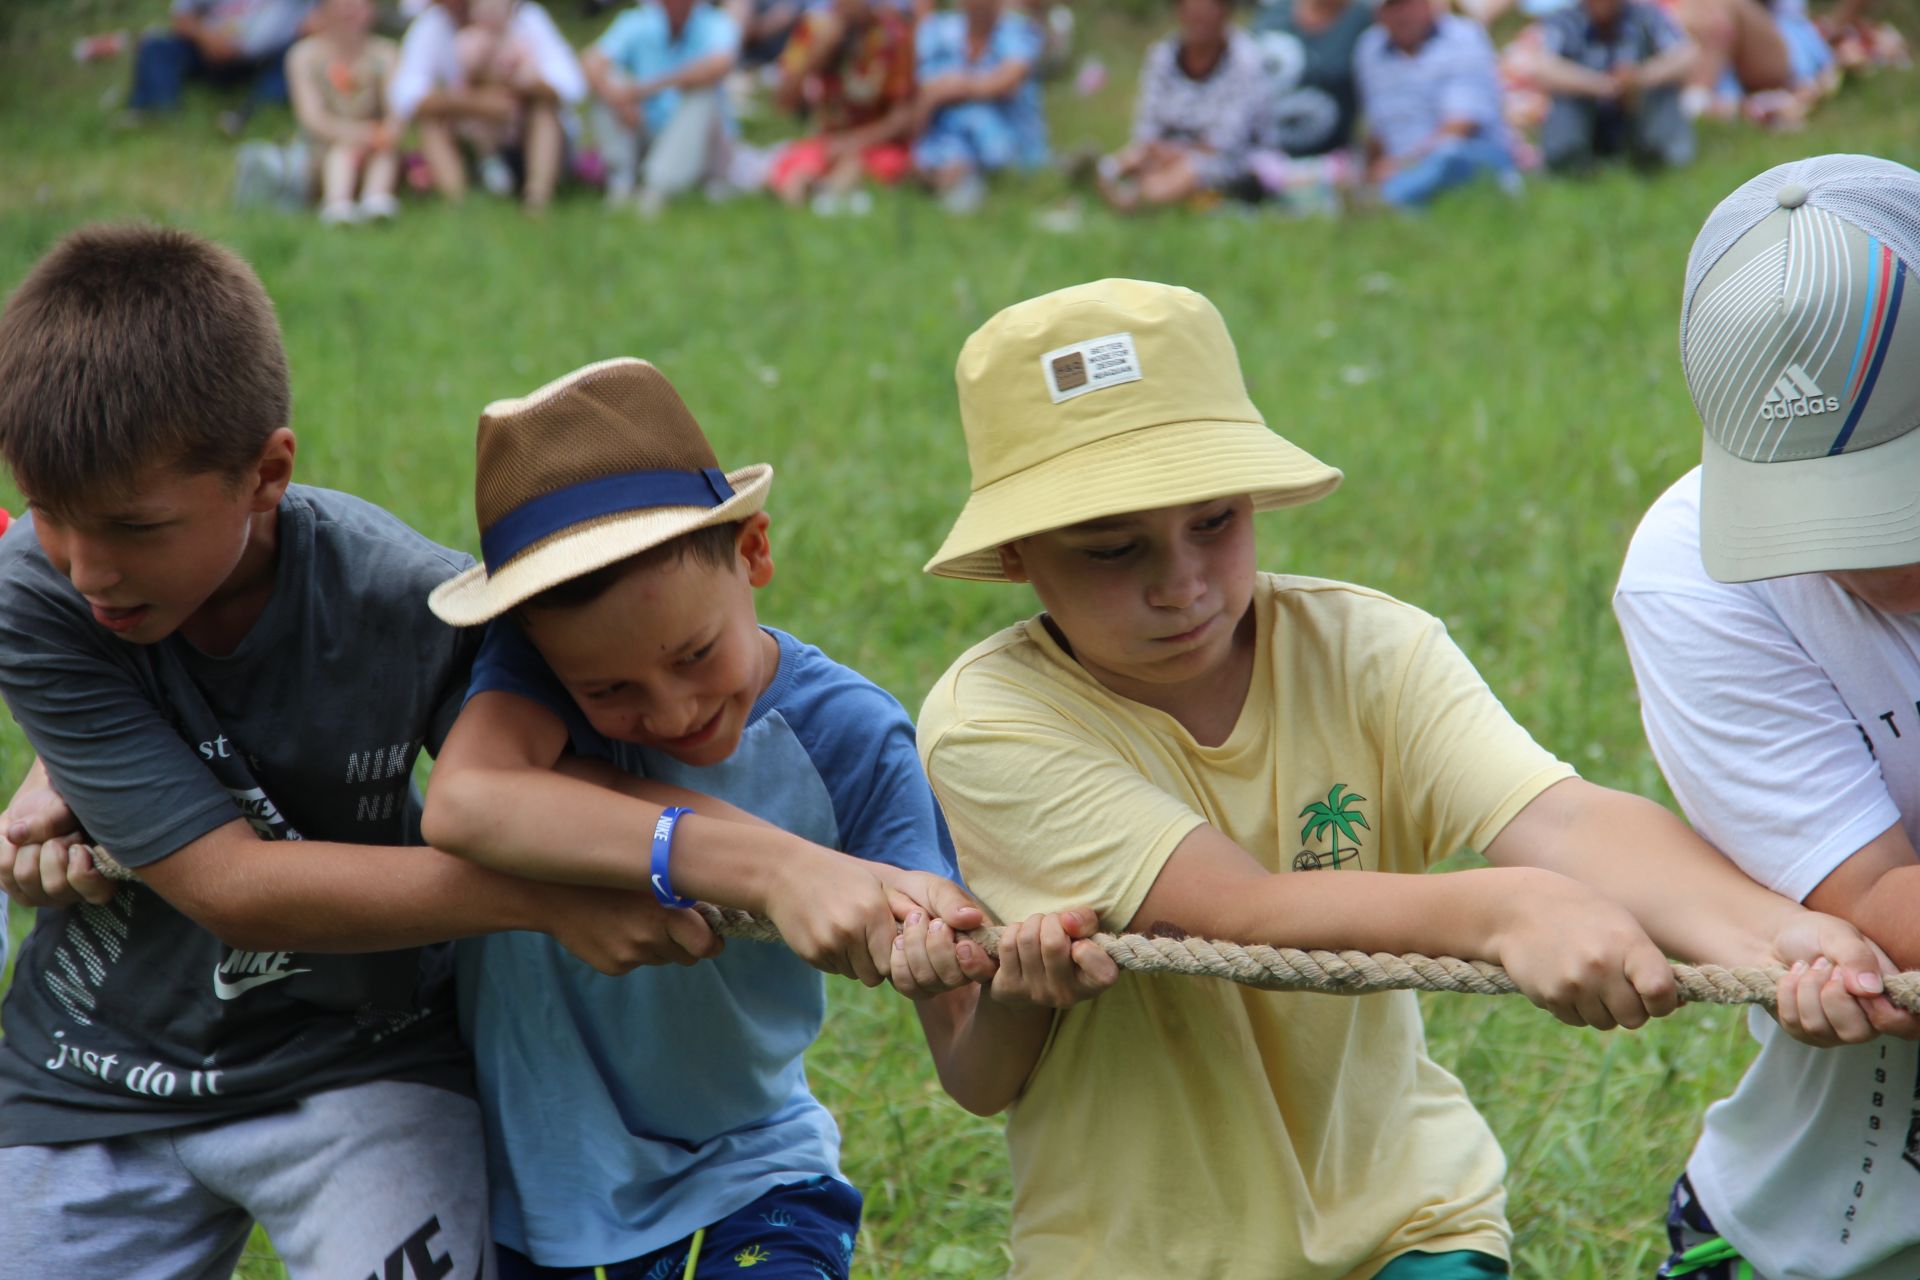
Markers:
(272, 472)
(755, 548)
(1010, 562)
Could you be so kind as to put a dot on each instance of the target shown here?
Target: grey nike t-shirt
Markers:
(131, 1017)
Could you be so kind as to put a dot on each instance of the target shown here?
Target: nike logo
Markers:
(660, 889)
(260, 968)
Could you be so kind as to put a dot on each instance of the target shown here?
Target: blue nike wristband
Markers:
(662, 867)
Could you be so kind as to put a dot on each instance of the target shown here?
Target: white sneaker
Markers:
(649, 204)
(965, 196)
(859, 202)
(341, 213)
(378, 208)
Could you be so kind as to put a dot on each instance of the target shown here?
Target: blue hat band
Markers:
(552, 513)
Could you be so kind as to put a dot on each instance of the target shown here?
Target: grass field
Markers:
(1499, 381)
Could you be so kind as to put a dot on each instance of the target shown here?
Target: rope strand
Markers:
(1350, 972)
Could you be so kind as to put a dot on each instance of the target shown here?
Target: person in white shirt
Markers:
(1771, 606)
(431, 89)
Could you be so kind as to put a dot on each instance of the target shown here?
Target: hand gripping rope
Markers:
(1350, 973)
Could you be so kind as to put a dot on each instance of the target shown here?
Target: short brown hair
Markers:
(713, 545)
(132, 345)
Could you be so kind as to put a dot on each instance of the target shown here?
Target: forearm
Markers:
(312, 895)
(887, 128)
(696, 75)
(1650, 862)
(503, 819)
(1889, 914)
(1669, 67)
(983, 1050)
(1559, 75)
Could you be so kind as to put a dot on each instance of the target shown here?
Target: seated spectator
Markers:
(657, 75)
(1204, 104)
(338, 80)
(978, 109)
(1768, 59)
(765, 26)
(1430, 91)
(491, 55)
(1307, 47)
(1614, 69)
(223, 42)
(850, 66)
(430, 87)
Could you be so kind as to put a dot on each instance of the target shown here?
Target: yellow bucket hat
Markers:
(1116, 396)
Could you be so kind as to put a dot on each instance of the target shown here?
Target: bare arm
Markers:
(1878, 889)
(987, 1039)
(313, 895)
(1571, 951)
(1643, 857)
(697, 74)
(1701, 907)
(1669, 66)
(1558, 75)
(498, 800)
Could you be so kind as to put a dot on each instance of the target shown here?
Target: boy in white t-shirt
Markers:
(1182, 742)
(1771, 605)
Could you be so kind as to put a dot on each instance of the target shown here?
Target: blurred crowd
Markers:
(1306, 105)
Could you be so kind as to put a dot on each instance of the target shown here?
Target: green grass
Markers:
(1499, 381)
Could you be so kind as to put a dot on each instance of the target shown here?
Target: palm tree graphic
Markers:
(1334, 817)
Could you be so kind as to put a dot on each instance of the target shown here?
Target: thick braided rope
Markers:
(1349, 972)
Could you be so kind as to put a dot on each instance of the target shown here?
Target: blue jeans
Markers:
(164, 63)
(1453, 163)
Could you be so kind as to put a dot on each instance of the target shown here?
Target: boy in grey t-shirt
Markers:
(229, 679)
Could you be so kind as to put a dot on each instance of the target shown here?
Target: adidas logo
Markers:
(1796, 395)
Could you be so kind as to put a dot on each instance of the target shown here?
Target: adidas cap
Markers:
(1805, 372)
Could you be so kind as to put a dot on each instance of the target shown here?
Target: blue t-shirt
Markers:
(640, 43)
(624, 1113)
(940, 46)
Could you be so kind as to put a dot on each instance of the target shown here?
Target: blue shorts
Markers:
(974, 134)
(801, 1231)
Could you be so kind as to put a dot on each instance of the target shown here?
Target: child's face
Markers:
(1150, 599)
(348, 17)
(149, 561)
(670, 657)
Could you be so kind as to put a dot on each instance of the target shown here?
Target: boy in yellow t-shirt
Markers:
(1178, 737)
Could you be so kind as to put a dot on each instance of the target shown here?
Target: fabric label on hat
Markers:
(1090, 366)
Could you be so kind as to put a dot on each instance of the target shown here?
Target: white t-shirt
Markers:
(1786, 717)
(427, 60)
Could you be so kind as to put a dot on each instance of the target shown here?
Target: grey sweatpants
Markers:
(384, 1180)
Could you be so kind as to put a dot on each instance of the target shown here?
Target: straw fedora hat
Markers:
(592, 468)
(1116, 396)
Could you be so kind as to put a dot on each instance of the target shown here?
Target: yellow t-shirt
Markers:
(1192, 1127)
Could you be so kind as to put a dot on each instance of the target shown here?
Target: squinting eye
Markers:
(1213, 524)
(1108, 554)
(698, 656)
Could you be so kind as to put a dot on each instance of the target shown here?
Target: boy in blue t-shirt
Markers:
(660, 113)
(631, 693)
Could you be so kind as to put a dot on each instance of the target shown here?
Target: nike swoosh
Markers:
(228, 990)
(660, 889)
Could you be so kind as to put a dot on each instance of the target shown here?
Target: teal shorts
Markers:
(1461, 1264)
